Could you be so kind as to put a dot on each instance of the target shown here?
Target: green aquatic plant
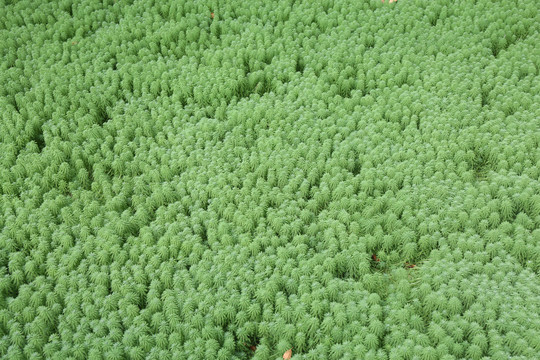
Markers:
(197, 180)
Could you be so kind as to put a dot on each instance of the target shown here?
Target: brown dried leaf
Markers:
(287, 355)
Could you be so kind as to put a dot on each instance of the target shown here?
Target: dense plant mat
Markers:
(269, 179)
